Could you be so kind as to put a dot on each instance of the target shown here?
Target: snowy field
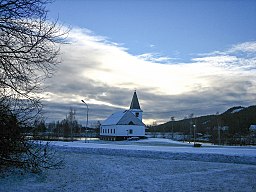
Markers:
(162, 165)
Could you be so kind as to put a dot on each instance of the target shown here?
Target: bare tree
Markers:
(154, 124)
(28, 50)
(28, 54)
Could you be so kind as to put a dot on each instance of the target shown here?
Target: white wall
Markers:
(123, 130)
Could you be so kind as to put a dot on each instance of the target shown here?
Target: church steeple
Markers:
(135, 102)
(135, 106)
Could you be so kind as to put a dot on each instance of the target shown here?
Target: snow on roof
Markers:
(128, 118)
(114, 118)
(252, 128)
(122, 118)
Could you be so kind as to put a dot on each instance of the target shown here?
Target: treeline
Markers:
(67, 128)
(63, 128)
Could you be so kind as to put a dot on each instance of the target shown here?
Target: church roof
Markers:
(135, 102)
(123, 118)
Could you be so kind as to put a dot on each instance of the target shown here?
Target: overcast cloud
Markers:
(105, 74)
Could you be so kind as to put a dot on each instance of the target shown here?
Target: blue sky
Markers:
(177, 29)
(182, 57)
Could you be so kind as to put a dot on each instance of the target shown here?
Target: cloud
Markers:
(153, 57)
(104, 74)
(249, 47)
(216, 59)
(239, 59)
(245, 49)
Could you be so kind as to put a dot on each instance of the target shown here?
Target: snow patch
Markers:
(237, 110)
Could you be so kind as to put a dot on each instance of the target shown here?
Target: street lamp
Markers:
(194, 134)
(86, 120)
(173, 119)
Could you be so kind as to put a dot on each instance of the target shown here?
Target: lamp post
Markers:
(86, 120)
(194, 134)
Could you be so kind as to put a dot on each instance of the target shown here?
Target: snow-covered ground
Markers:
(136, 166)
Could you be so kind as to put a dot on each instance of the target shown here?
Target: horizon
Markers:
(91, 123)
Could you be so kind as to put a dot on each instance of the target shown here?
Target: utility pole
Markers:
(173, 119)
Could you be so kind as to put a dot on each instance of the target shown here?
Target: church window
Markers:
(131, 123)
(114, 131)
(130, 131)
(137, 114)
(111, 131)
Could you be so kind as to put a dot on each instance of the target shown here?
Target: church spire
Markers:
(135, 102)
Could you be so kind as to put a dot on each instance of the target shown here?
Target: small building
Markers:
(252, 128)
(124, 124)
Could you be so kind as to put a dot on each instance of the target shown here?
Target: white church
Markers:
(124, 124)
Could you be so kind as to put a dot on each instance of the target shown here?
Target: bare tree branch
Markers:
(29, 48)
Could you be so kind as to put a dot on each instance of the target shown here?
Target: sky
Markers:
(181, 57)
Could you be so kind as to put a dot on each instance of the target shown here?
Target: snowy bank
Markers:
(240, 155)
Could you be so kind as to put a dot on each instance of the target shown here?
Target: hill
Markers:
(233, 122)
